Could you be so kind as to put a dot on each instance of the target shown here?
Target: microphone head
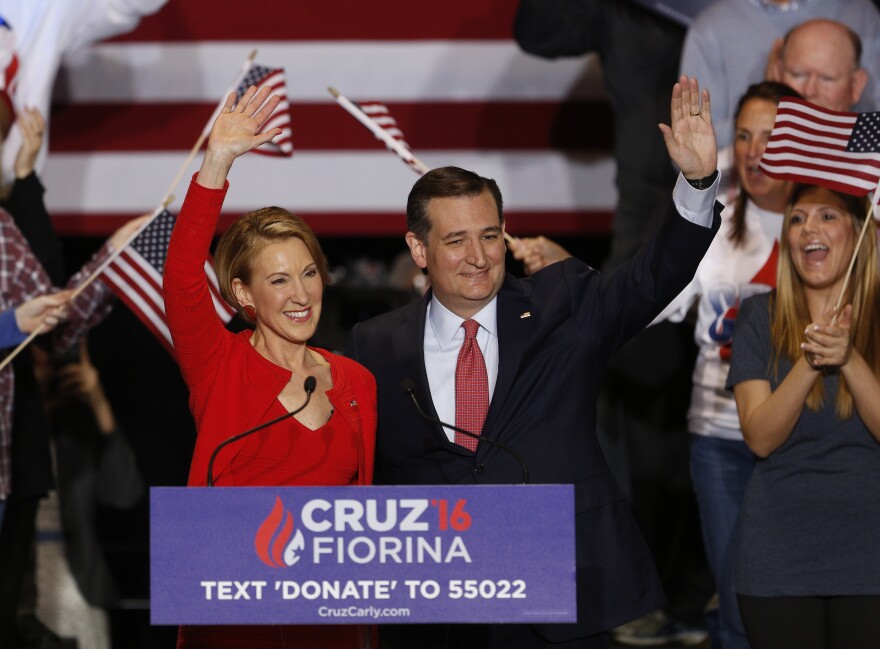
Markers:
(408, 385)
(310, 384)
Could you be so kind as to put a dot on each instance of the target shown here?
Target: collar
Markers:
(771, 7)
(445, 324)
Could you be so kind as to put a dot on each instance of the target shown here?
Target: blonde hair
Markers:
(239, 246)
(790, 316)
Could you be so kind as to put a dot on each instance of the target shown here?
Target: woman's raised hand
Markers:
(235, 132)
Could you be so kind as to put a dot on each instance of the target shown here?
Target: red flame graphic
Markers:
(269, 528)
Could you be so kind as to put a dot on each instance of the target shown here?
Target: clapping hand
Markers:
(828, 344)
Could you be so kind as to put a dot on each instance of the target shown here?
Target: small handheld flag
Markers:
(837, 150)
(135, 276)
(378, 120)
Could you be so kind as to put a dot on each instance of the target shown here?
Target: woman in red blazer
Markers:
(271, 268)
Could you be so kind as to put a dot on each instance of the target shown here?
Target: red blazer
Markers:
(232, 387)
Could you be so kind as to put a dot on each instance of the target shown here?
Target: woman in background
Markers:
(805, 378)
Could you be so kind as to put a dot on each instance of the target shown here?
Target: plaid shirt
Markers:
(23, 278)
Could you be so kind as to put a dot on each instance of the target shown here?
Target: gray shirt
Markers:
(810, 521)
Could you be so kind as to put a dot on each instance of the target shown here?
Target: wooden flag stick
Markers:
(245, 67)
(378, 131)
(91, 278)
(852, 262)
(113, 255)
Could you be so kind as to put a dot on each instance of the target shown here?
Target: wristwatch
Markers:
(703, 183)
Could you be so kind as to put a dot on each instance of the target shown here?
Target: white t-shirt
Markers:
(726, 276)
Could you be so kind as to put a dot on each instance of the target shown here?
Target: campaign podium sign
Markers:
(362, 555)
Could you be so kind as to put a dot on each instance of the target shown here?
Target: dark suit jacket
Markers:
(556, 331)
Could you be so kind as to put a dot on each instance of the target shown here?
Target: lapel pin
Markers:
(353, 403)
(525, 314)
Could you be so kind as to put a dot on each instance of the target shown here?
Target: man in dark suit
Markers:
(543, 342)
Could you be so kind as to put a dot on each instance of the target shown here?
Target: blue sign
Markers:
(362, 555)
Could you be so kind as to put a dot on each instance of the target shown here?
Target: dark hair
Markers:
(242, 242)
(773, 92)
(445, 182)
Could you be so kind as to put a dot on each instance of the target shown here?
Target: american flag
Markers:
(136, 278)
(818, 146)
(377, 119)
(259, 76)
(456, 82)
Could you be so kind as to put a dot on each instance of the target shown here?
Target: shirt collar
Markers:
(772, 7)
(445, 324)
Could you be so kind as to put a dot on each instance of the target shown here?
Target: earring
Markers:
(250, 311)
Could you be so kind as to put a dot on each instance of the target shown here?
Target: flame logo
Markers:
(276, 545)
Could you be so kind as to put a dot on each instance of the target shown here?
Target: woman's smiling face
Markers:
(821, 238)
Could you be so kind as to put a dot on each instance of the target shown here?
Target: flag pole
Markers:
(852, 261)
(207, 129)
(378, 131)
(91, 278)
(115, 253)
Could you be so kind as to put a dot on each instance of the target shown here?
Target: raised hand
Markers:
(690, 139)
(32, 126)
(537, 252)
(235, 132)
(828, 344)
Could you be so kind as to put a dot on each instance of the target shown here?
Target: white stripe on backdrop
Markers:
(562, 188)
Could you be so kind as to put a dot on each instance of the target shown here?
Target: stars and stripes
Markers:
(456, 83)
(377, 119)
(135, 276)
(259, 76)
(866, 134)
(833, 149)
(380, 114)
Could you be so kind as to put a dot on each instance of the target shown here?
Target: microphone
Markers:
(409, 387)
(309, 386)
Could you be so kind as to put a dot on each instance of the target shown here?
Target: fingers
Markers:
(253, 103)
(827, 345)
(707, 106)
(121, 237)
(84, 357)
(693, 97)
(517, 248)
(680, 97)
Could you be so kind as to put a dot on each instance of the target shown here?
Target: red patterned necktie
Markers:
(471, 387)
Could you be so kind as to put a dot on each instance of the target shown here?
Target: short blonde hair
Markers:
(239, 246)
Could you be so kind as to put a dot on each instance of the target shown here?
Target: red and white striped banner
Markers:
(128, 112)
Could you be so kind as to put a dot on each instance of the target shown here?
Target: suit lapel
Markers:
(409, 354)
(515, 324)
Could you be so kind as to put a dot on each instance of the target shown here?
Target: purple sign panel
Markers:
(362, 555)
